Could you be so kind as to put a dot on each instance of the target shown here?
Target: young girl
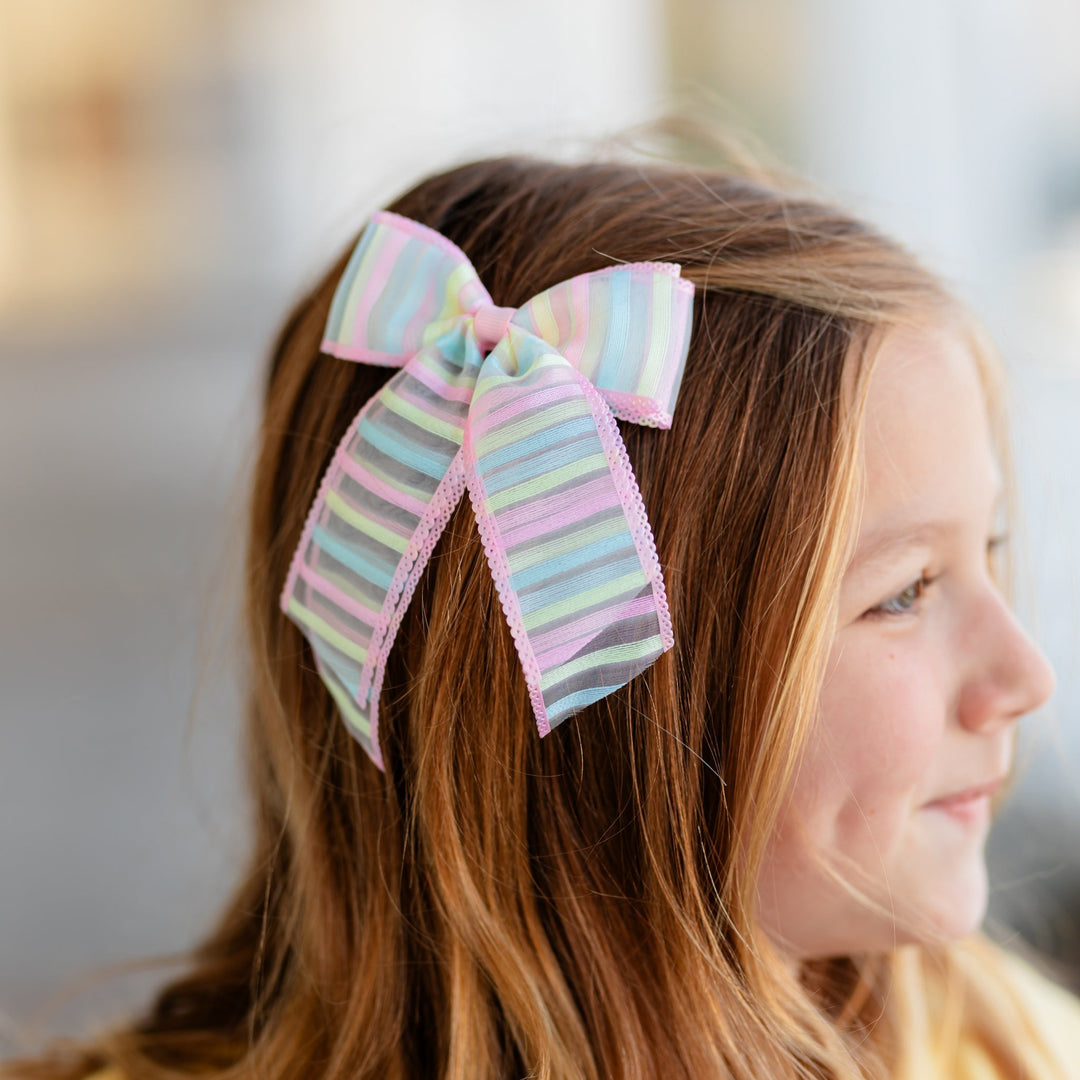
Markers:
(662, 748)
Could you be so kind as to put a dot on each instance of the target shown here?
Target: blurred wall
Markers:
(172, 174)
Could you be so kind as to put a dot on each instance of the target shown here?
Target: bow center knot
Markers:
(490, 323)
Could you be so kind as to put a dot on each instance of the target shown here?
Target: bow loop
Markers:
(518, 406)
(403, 286)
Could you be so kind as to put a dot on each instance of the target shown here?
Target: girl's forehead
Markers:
(927, 448)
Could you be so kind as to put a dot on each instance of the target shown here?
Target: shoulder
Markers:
(1054, 1000)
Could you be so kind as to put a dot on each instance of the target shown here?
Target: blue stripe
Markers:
(577, 700)
(577, 584)
(405, 306)
(615, 341)
(332, 661)
(347, 556)
(411, 454)
(390, 293)
(555, 458)
(341, 296)
(524, 447)
(578, 557)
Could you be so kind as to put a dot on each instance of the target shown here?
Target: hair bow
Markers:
(519, 406)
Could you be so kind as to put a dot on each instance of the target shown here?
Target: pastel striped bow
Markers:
(518, 406)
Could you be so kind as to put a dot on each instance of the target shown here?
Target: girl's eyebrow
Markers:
(884, 543)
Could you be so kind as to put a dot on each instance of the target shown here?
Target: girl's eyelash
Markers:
(918, 587)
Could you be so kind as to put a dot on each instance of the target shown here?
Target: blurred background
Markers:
(173, 174)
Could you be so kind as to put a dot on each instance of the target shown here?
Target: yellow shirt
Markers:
(1056, 1014)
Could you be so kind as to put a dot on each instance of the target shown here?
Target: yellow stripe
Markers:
(326, 631)
(594, 341)
(364, 524)
(353, 715)
(544, 317)
(419, 417)
(437, 328)
(451, 305)
(500, 378)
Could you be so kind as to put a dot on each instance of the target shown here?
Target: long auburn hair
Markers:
(580, 906)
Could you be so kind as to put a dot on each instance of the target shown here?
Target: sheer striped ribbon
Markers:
(519, 407)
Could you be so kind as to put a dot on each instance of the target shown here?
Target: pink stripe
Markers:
(428, 530)
(325, 607)
(518, 403)
(358, 352)
(329, 481)
(421, 232)
(559, 649)
(376, 284)
(516, 517)
(434, 381)
(347, 603)
(381, 487)
(429, 407)
(580, 509)
(473, 295)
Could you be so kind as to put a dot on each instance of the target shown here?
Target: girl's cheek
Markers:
(884, 709)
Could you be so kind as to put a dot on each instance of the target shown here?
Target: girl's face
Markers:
(928, 672)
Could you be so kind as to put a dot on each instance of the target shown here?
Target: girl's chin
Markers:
(956, 906)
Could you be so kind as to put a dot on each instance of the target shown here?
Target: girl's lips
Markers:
(967, 795)
(970, 806)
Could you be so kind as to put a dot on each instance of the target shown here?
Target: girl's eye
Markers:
(903, 603)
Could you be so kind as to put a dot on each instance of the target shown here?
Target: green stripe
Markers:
(352, 714)
(364, 524)
(326, 631)
(659, 343)
(614, 654)
(561, 609)
(418, 416)
(521, 429)
(532, 488)
(529, 555)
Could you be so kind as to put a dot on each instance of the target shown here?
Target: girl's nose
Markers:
(1010, 675)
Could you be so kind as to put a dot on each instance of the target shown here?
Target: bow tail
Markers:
(565, 533)
(382, 505)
